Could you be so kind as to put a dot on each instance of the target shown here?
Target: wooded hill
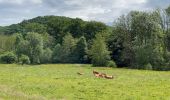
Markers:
(136, 40)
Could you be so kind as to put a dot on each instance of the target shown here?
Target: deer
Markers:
(102, 75)
(97, 74)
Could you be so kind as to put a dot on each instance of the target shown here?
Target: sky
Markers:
(14, 11)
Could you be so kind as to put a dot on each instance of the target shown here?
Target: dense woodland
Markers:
(139, 39)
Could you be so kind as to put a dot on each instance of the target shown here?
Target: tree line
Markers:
(139, 39)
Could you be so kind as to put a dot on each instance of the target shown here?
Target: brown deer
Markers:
(97, 74)
(102, 75)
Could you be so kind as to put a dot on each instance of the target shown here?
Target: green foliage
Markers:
(79, 54)
(168, 10)
(46, 56)
(148, 66)
(111, 64)
(57, 54)
(136, 40)
(149, 40)
(76, 27)
(24, 59)
(120, 42)
(23, 48)
(92, 28)
(35, 27)
(19, 38)
(48, 40)
(14, 28)
(71, 51)
(68, 47)
(32, 46)
(99, 52)
(7, 43)
(8, 57)
(167, 40)
(142, 56)
(57, 27)
(35, 46)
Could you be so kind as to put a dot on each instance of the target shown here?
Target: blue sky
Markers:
(14, 11)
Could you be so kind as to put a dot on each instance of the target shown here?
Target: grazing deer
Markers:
(97, 74)
(102, 75)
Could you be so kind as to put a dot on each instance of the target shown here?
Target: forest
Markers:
(137, 40)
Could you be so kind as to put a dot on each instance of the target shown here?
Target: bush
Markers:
(24, 59)
(111, 64)
(8, 57)
(148, 66)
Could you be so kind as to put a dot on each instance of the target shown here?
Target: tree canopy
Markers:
(139, 39)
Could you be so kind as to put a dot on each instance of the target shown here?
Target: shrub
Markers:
(8, 57)
(24, 59)
(111, 64)
(148, 66)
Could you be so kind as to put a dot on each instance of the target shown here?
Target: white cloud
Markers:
(100, 10)
(20, 1)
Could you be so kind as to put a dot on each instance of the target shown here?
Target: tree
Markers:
(92, 28)
(57, 54)
(24, 59)
(99, 52)
(149, 40)
(120, 41)
(7, 43)
(48, 40)
(46, 56)
(80, 52)
(63, 53)
(68, 47)
(8, 57)
(35, 27)
(19, 39)
(76, 27)
(23, 48)
(35, 46)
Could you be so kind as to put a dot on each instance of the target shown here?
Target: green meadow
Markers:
(61, 82)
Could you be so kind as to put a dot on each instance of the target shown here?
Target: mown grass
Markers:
(61, 82)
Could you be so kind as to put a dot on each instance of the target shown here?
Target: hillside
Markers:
(57, 26)
(139, 39)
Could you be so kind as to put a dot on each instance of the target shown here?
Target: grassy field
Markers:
(61, 82)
